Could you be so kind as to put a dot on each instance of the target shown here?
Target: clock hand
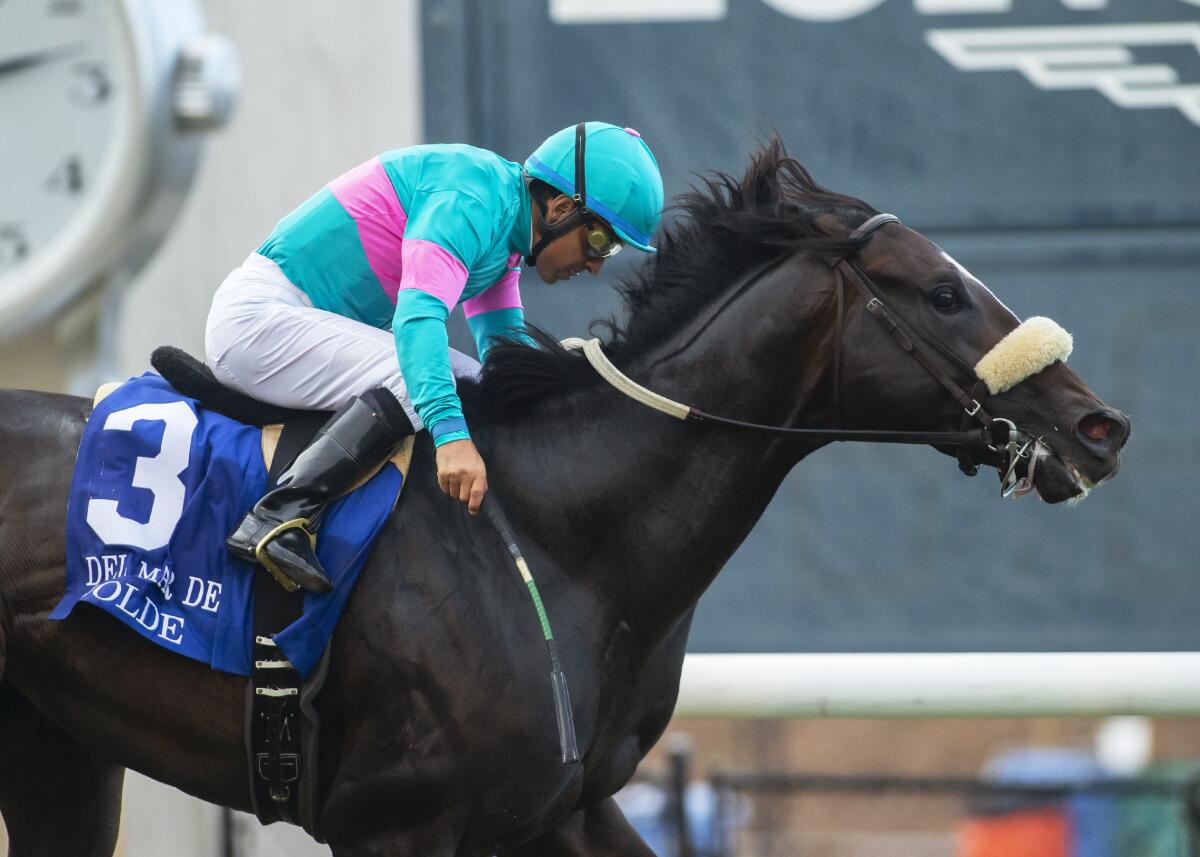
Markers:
(23, 61)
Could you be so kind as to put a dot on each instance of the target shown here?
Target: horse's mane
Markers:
(718, 233)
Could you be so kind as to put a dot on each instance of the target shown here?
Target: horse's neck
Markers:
(650, 508)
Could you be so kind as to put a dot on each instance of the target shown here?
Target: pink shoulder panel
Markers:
(367, 194)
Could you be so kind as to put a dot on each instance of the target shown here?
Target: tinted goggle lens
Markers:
(601, 244)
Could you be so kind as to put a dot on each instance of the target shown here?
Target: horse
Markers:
(439, 735)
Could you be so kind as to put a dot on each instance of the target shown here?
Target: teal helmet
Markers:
(620, 177)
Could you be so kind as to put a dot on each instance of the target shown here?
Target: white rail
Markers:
(930, 685)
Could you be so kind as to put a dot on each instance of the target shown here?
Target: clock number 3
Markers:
(158, 474)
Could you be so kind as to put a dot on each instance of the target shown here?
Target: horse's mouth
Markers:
(1056, 480)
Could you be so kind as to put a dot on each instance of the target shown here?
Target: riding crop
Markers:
(558, 680)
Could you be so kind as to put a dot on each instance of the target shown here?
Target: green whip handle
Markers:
(558, 680)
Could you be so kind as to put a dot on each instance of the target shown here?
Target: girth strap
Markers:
(282, 728)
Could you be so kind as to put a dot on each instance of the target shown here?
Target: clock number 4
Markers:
(158, 474)
(68, 177)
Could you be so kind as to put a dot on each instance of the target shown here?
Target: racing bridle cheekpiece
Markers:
(600, 243)
(981, 438)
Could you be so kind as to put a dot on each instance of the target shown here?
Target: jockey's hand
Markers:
(461, 473)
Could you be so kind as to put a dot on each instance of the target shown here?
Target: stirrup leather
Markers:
(260, 550)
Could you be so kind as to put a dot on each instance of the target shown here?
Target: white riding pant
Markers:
(266, 339)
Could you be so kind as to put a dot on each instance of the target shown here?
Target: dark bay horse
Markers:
(439, 732)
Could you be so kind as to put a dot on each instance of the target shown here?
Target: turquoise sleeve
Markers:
(423, 349)
(497, 323)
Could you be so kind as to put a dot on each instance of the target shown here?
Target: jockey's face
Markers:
(565, 256)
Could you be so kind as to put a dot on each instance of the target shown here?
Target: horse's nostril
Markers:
(1095, 426)
(1103, 431)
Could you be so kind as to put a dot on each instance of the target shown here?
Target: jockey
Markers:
(344, 306)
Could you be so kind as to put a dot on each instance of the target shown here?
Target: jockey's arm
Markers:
(423, 351)
(498, 324)
(446, 233)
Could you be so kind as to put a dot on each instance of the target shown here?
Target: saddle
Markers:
(192, 378)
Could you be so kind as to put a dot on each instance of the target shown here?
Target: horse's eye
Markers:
(945, 299)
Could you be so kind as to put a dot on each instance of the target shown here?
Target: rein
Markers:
(992, 440)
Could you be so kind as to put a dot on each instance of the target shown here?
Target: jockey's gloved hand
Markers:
(461, 473)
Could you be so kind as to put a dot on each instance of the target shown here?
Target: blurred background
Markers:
(1051, 146)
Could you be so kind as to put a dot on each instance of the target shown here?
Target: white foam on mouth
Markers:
(1084, 485)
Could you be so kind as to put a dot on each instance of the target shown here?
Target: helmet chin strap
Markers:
(551, 231)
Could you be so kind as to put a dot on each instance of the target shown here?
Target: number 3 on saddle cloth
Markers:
(159, 483)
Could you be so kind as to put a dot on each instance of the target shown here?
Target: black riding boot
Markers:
(281, 530)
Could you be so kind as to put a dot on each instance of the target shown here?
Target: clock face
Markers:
(99, 102)
(66, 76)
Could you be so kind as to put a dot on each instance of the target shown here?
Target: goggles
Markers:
(600, 243)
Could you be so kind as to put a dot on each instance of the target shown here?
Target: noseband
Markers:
(981, 438)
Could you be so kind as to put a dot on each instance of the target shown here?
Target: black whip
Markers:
(558, 680)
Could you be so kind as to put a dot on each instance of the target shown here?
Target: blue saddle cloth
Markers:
(159, 482)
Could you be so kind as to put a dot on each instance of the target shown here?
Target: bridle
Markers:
(981, 438)
(1007, 446)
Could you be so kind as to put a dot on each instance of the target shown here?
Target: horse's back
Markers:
(39, 436)
(37, 426)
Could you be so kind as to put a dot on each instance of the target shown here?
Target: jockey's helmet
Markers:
(620, 177)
